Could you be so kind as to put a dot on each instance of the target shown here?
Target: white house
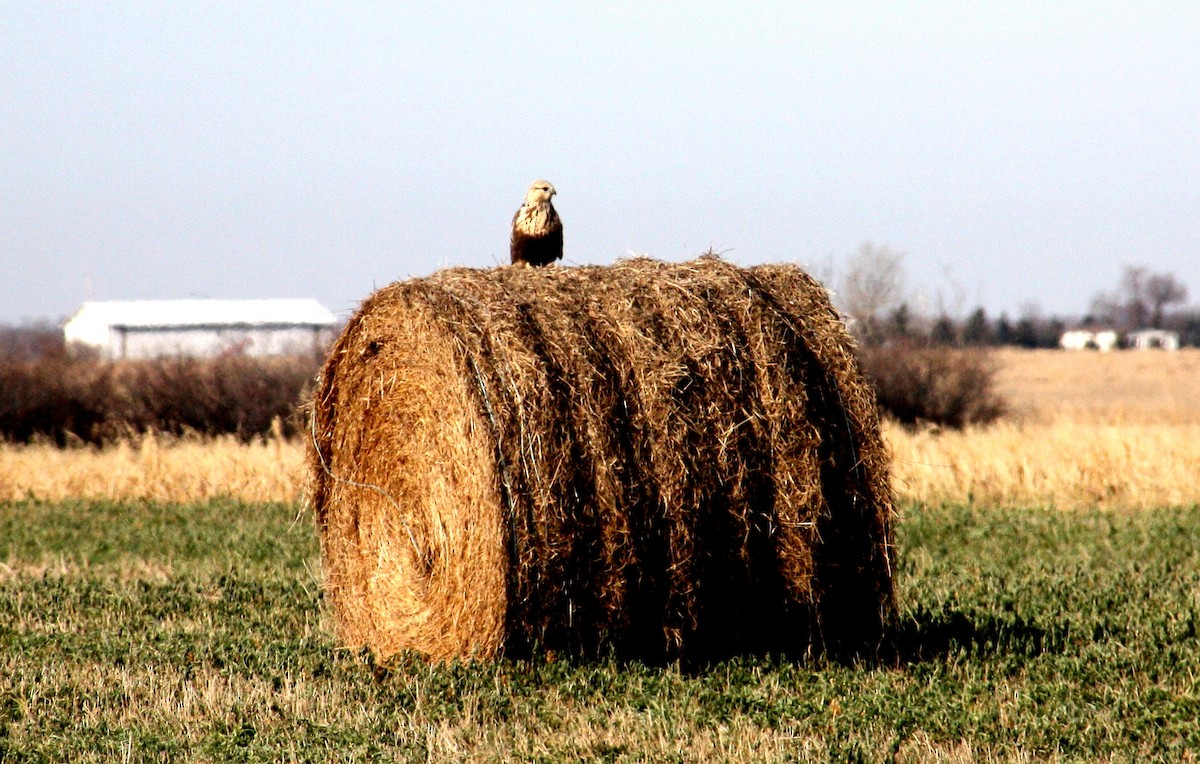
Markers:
(1077, 339)
(1148, 339)
(1107, 340)
(205, 328)
(1081, 339)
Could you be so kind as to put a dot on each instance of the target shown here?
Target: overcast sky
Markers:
(1018, 152)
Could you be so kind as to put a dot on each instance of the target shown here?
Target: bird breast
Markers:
(536, 219)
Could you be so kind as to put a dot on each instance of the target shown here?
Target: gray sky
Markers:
(1019, 152)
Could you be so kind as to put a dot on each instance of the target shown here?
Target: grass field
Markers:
(1049, 588)
(161, 632)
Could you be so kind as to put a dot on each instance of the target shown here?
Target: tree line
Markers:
(870, 292)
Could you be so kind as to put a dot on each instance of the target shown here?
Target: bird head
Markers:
(539, 192)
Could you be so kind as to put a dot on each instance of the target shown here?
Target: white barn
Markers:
(1077, 339)
(201, 328)
(1081, 339)
(1153, 339)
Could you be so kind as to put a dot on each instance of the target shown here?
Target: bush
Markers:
(62, 399)
(940, 386)
(54, 398)
(231, 394)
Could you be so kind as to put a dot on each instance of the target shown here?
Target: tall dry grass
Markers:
(1115, 429)
(1122, 387)
(1088, 429)
(158, 468)
(1062, 463)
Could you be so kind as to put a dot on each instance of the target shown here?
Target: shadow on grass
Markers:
(918, 636)
(915, 636)
(925, 635)
(921, 636)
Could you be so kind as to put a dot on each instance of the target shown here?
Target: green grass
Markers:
(144, 632)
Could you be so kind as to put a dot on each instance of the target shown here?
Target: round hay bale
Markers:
(662, 460)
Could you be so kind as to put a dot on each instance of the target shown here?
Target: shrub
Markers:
(61, 399)
(940, 386)
(231, 394)
(54, 398)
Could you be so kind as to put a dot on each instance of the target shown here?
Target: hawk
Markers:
(537, 236)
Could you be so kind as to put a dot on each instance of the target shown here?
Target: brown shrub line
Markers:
(64, 400)
(944, 387)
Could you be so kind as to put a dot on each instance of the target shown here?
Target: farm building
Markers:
(203, 328)
(1081, 339)
(1152, 339)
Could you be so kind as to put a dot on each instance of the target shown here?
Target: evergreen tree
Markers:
(1004, 331)
(901, 323)
(1025, 333)
(976, 331)
(944, 332)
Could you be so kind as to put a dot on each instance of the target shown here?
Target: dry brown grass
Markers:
(1124, 387)
(1114, 430)
(157, 468)
(1062, 463)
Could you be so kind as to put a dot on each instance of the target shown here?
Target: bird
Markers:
(537, 234)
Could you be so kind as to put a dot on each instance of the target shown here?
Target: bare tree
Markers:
(1163, 289)
(953, 306)
(1132, 297)
(872, 286)
(1141, 299)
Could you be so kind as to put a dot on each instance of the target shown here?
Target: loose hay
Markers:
(661, 459)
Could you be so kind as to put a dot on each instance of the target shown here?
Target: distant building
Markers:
(1076, 340)
(200, 328)
(1107, 340)
(1081, 339)
(1153, 339)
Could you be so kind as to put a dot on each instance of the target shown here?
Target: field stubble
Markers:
(1086, 429)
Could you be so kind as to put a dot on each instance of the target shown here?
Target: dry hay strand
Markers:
(661, 460)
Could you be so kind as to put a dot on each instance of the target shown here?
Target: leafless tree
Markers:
(1163, 289)
(1141, 299)
(871, 287)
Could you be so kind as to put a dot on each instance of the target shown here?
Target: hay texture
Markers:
(662, 460)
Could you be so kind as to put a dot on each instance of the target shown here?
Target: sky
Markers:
(1020, 154)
